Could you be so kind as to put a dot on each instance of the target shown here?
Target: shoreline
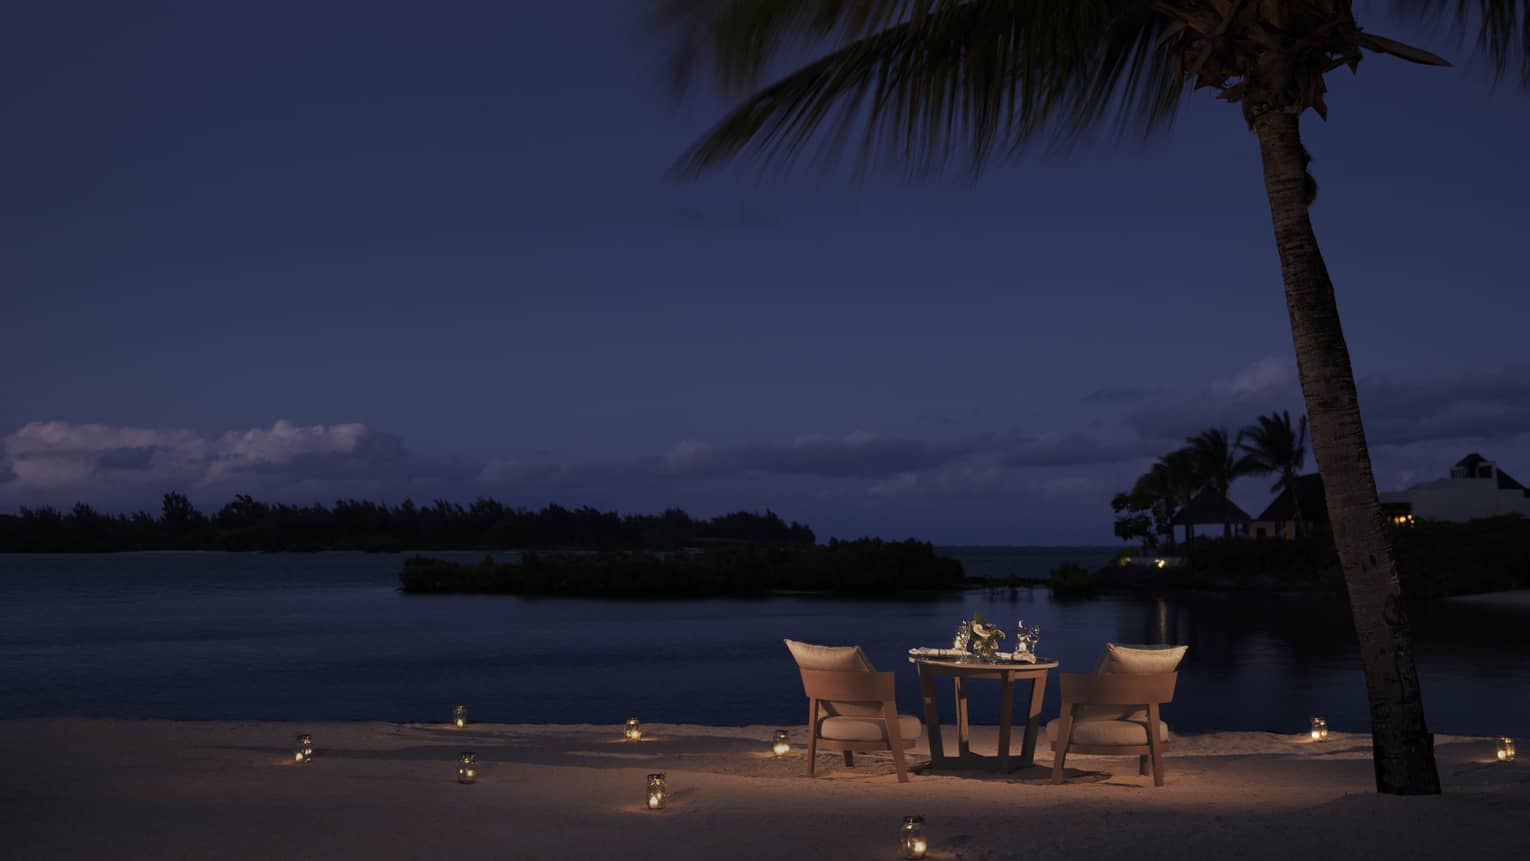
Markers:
(111, 788)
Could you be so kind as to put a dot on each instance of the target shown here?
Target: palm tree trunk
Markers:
(1403, 745)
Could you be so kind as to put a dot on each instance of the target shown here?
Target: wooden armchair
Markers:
(856, 710)
(1113, 714)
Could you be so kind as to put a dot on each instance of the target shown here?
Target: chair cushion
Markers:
(856, 728)
(839, 659)
(1108, 732)
(1141, 659)
(1121, 658)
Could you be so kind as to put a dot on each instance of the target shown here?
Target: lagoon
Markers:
(328, 636)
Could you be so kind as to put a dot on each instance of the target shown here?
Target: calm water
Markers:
(326, 637)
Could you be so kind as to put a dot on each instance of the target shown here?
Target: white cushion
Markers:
(1141, 659)
(843, 659)
(1108, 732)
(1121, 658)
(856, 728)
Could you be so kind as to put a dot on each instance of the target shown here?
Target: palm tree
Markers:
(1272, 446)
(1165, 488)
(926, 81)
(1216, 463)
(1215, 456)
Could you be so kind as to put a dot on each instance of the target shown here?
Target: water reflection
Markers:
(328, 637)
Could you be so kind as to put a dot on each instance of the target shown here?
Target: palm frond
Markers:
(1502, 27)
(928, 80)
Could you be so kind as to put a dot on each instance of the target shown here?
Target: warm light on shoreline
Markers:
(1319, 730)
(467, 767)
(1505, 749)
(304, 748)
(634, 731)
(783, 743)
(459, 716)
(656, 791)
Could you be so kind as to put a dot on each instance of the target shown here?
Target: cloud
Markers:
(1480, 405)
(1074, 449)
(1266, 385)
(65, 456)
(955, 480)
(1113, 394)
(855, 455)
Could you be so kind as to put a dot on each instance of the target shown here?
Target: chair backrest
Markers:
(1117, 689)
(849, 660)
(853, 686)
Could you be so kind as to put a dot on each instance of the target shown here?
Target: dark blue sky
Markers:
(436, 243)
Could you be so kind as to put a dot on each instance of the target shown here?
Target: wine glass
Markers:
(1026, 637)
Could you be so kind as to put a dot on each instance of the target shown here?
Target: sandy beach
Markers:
(84, 788)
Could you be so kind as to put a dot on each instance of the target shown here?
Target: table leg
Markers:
(931, 717)
(1006, 717)
(1033, 721)
(963, 737)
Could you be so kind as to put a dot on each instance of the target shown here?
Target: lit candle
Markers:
(634, 730)
(459, 716)
(783, 743)
(1319, 729)
(1506, 749)
(655, 791)
(304, 748)
(467, 767)
(911, 838)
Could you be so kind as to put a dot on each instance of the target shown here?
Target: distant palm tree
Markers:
(1215, 459)
(1165, 488)
(929, 80)
(1273, 446)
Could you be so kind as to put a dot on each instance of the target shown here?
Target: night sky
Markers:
(388, 249)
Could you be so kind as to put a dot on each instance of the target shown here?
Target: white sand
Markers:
(96, 789)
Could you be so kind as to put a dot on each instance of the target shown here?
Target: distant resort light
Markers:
(1319, 731)
(1505, 749)
(459, 716)
(634, 730)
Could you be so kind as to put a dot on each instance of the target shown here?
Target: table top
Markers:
(949, 665)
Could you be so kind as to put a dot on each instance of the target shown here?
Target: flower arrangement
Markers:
(985, 637)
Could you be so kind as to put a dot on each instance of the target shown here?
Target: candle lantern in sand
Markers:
(634, 731)
(467, 767)
(783, 743)
(1319, 730)
(304, 748)
(459, 716)
(656, 791)
(1506, 749)
(911, 837)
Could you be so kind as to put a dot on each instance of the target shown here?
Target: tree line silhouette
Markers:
(247, 524)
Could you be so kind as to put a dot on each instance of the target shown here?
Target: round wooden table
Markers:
(1007, 674)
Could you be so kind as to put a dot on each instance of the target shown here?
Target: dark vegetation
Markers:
(1209, 461)
(1072, 581)
(247, 524)
(1434, 559)
(866, 567)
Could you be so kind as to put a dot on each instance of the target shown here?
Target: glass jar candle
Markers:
(912, 841)
(467, 767)
(1319, 730)
(782, 744)
(634, 731)
(655, 792)
(459, 716)
(1506, 749)
(304, 748)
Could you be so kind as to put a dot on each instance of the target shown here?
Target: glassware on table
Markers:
(1026, 638)
(963, 637)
